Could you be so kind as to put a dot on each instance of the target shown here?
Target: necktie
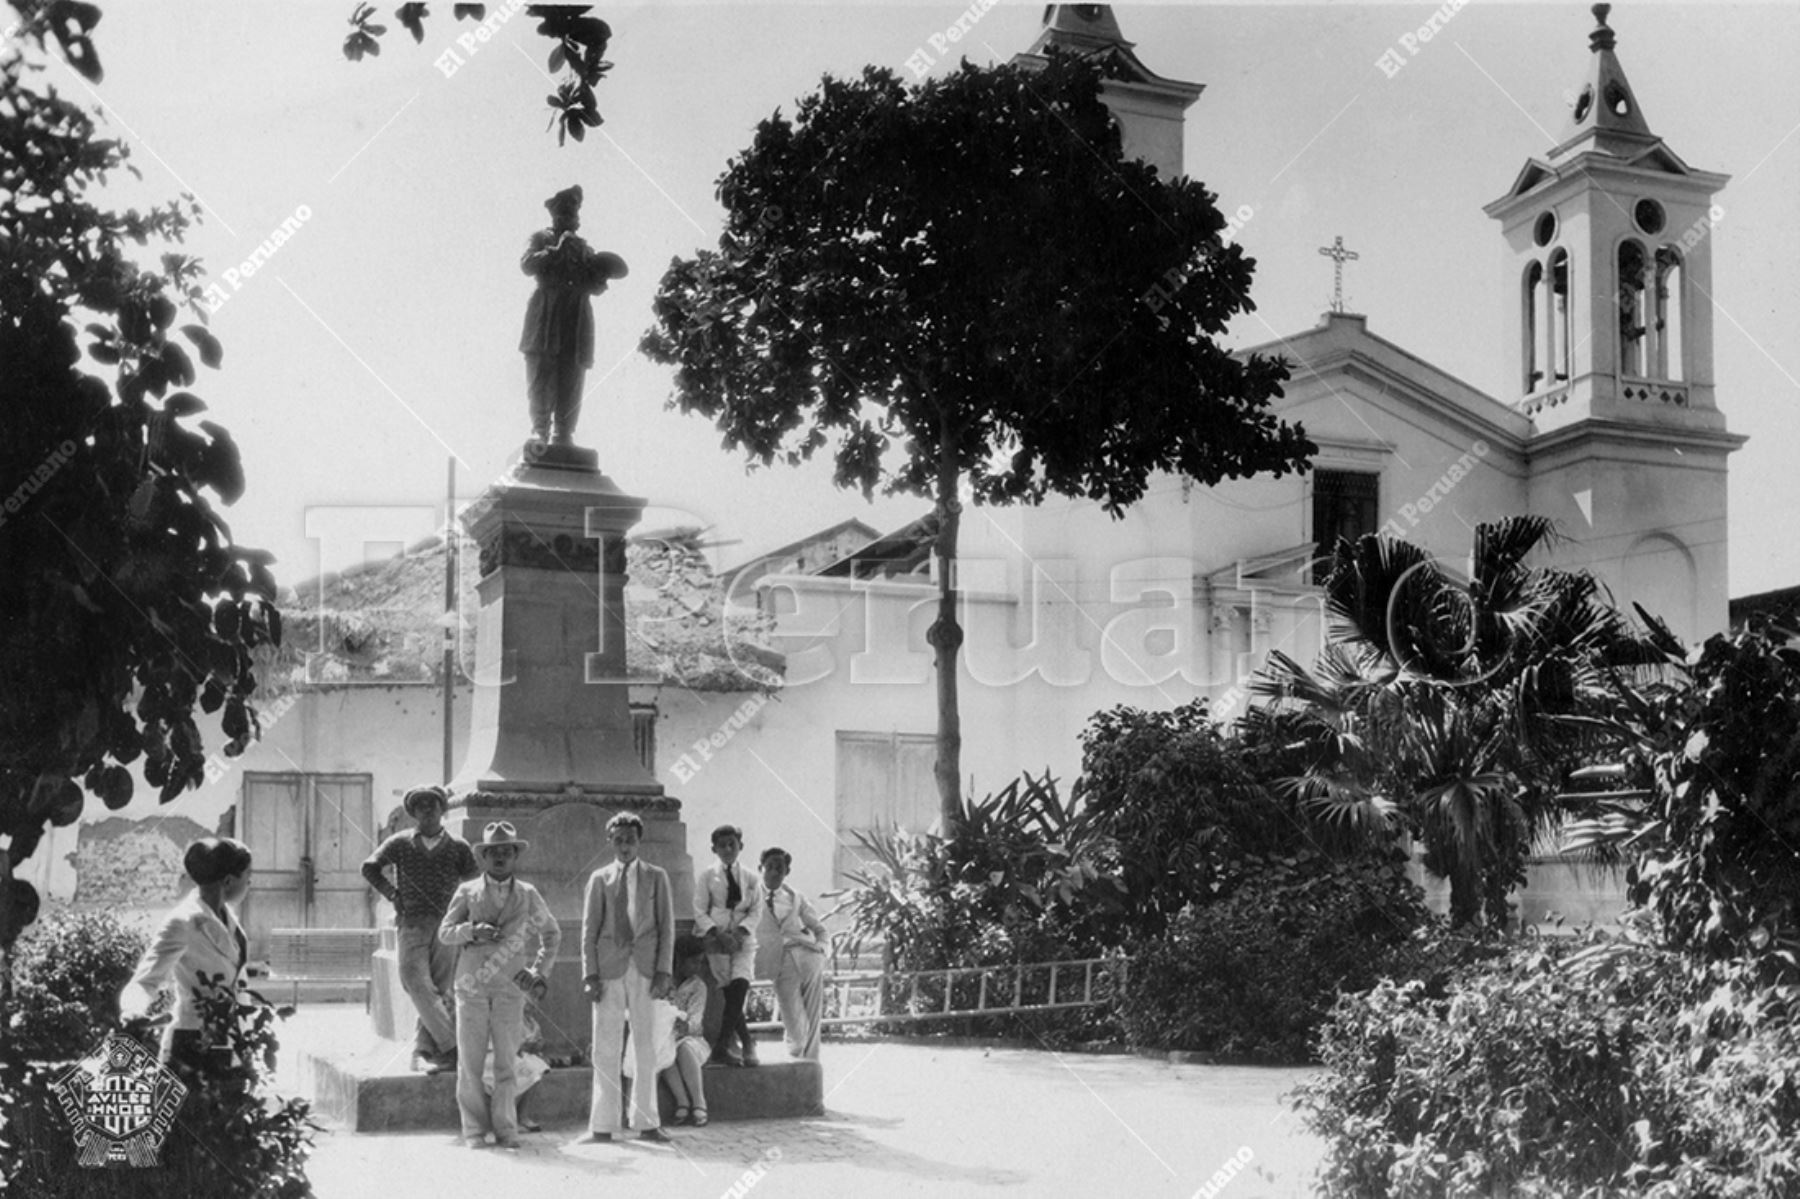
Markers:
(734, 894)
(622, 930)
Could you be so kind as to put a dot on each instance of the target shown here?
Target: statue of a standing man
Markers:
(558, 341)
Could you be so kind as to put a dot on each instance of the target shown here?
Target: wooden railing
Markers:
(874, 997)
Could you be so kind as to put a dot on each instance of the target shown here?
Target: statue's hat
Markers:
(567, 198)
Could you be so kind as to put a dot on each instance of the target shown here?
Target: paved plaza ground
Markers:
(902, 1119)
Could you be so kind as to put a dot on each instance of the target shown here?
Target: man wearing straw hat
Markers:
(428, 861)
(492, 919)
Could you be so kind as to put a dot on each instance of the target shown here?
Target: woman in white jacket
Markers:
(200, 937)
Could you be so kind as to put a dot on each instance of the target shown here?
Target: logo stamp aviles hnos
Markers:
(120, 1102)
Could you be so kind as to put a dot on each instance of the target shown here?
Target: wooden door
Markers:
(339, 838)
(308, 835)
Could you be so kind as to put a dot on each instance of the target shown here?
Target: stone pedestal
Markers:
(550, 742)
(552, 714)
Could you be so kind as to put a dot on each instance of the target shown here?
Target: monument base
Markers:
(368, 1088)
(560, 457)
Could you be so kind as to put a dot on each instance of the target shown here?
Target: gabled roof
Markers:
(1342, 341)
(1655, 158)
(905, 551)
(852, 525)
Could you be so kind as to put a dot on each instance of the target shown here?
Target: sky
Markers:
(379, 342)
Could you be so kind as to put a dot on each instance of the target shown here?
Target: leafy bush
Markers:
(1024, 880)
(1584, 1067)
(68, 970)
(1721, 866)
(1184, 805)
(1021, 881)
(234, 1137)
(1252, 975)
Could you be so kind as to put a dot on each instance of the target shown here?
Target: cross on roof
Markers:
(1338, 255)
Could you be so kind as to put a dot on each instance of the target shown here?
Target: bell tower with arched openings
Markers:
(1609, 350)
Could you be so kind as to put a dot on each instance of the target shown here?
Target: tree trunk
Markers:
(6, 944)
(946, 638)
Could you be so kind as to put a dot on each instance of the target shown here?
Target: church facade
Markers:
(1609, 426)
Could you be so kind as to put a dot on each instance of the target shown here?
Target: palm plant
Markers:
(1438, 699)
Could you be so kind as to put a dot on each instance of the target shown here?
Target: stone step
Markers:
(370, 1089)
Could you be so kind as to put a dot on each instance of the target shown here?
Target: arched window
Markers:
(1669, 305)
(1559, 336)
(1635, 315)
(1533, 326)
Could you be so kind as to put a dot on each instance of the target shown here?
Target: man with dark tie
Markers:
(627, 962)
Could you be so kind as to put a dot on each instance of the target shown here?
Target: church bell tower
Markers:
(1609, 350)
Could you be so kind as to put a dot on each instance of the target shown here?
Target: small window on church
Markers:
(1544, 232)
(1583, 103)
(1635, 315)
(1559, 332)
(1649, 215)
(1669, 305)
(1618, 101)
(1534, 326)
(1346, 506)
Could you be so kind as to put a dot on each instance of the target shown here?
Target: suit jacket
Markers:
(521, 916)
(652, 945)
(192, 941)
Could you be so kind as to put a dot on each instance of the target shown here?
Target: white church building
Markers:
(1608, 426)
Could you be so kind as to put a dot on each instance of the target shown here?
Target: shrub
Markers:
(1183, 805)
(1252, 975)
(1022, 881)
(67, 974)
(1722, 870)
(233, 1138)
(1580, 1068)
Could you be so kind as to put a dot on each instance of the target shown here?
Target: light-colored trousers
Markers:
(427, 974)
(494, 1016)
(618, 997)
(800, 998)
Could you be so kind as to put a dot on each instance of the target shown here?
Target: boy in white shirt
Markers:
(728, 902)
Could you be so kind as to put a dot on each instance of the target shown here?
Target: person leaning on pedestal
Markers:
(790, 952)
(199, 937)
(727, 906)
(428, 864)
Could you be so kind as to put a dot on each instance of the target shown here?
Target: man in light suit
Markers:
(492, 919)
(627, 962)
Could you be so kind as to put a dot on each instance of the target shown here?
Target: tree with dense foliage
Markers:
(1706, 813)
(578, 47)
(1446, 700)
(1193, 811)
(126, 608)
(967, 290)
